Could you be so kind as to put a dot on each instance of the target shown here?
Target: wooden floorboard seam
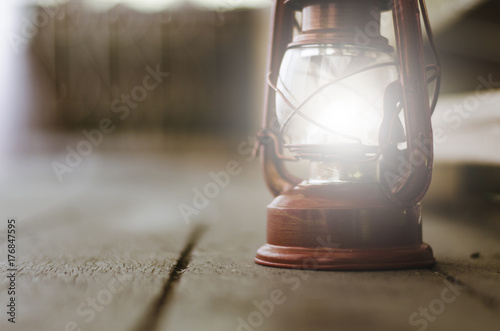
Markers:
(150, 320)
(488, 301)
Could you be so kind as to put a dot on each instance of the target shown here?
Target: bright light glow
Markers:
(351, 109)
(351, 115)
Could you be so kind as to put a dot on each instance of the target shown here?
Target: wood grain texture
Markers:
(222, 286)
(112, 231)
(95, 250)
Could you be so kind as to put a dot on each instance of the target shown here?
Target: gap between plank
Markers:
(152, 317)
(487, 300)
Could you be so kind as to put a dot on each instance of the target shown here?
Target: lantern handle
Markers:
(277, 177)
(406, 180)
(437, 60)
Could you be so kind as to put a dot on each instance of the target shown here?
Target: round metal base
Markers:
(343, 227)
(326, 258)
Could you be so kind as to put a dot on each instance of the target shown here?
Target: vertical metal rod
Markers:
(419, 155)
(283, 20)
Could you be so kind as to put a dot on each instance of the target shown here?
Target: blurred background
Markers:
(66, 65)
(116, 114)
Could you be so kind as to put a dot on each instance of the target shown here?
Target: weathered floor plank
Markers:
(468, 252)
(100, 247)
(113, 232)
(222, 287)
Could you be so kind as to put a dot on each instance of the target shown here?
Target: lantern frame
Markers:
(364, 225)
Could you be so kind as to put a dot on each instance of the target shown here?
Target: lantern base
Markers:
(345, 259)
(344, 226)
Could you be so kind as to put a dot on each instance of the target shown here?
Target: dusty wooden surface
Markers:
(108, 249)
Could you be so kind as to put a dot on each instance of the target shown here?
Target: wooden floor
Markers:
(108, 249)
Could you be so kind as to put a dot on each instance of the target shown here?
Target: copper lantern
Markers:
(341, 98)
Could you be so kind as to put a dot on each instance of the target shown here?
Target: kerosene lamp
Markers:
(343, 99)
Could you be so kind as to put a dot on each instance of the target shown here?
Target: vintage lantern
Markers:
(341, 100)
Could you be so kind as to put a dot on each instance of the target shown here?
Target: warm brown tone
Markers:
(369, 226)
(345, 226)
